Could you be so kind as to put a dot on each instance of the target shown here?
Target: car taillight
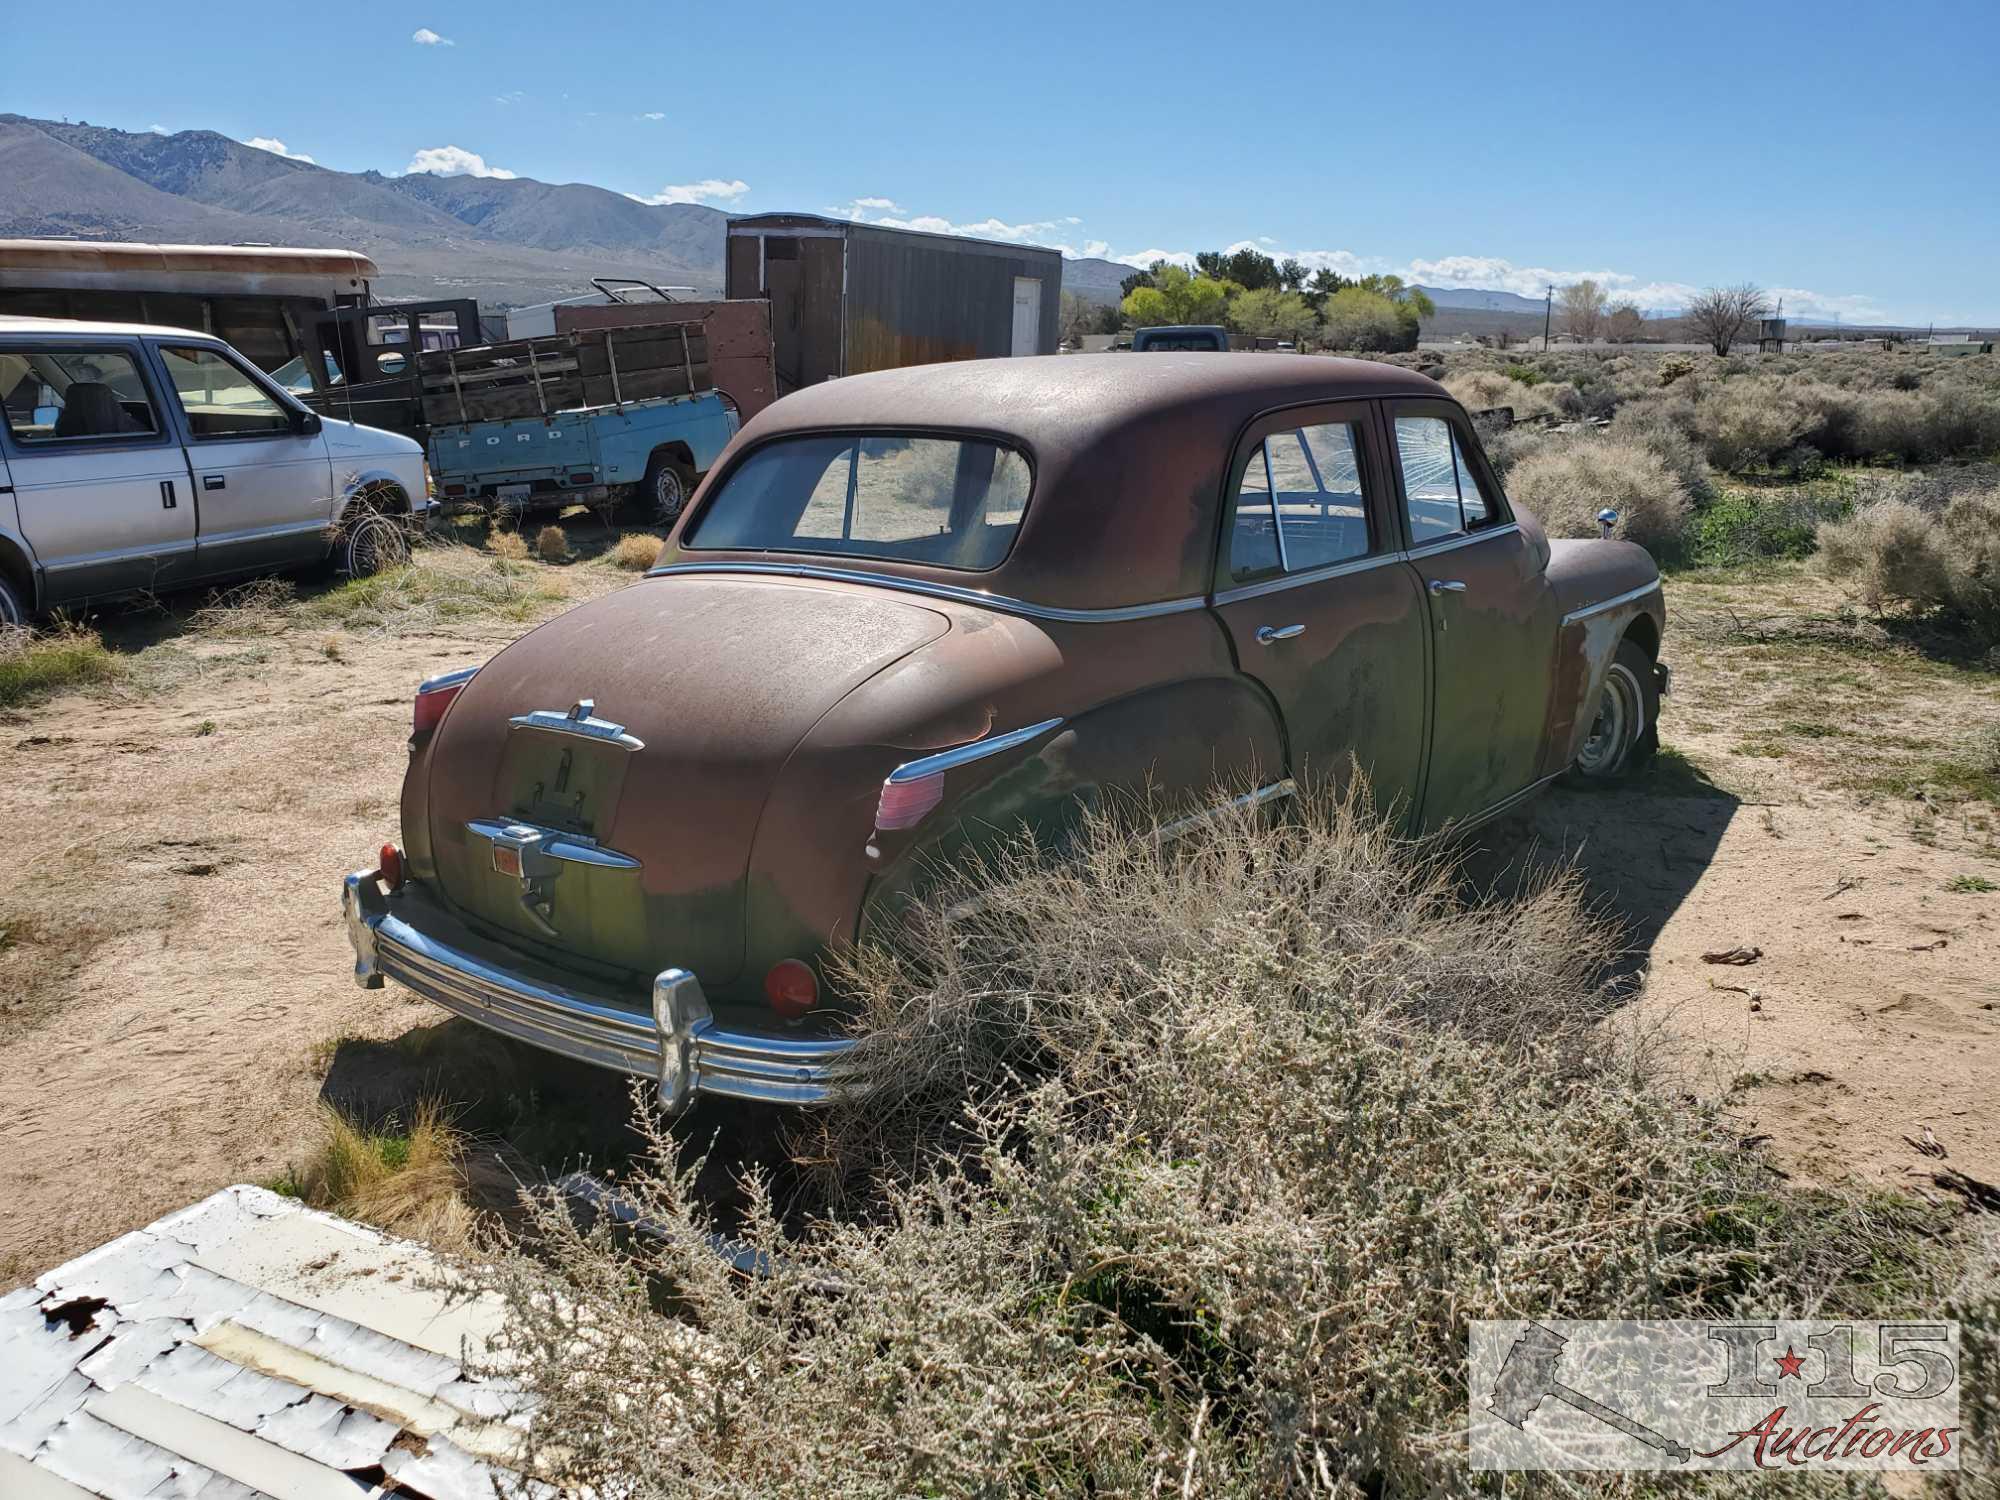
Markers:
(905, 804)
(392, 867)
(792, 988)
(434, 695)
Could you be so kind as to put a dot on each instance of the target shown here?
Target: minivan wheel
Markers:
(13, 608)
(1623, 730)
(373, 543)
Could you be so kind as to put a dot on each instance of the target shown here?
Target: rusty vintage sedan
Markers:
(916, 608)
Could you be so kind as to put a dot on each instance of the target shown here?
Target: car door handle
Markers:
(214, 481)
(1446, 586)
(1269, 634)
(167, 501)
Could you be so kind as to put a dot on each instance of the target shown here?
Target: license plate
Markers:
(507, 860)
(513, 491)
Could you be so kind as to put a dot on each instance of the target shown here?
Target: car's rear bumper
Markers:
(677, 1042)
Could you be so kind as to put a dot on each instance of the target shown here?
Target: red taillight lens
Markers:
(792, 988)
(434, 695)
(392, 867)
(904, 804)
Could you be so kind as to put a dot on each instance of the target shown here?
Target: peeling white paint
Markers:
(250, 1346)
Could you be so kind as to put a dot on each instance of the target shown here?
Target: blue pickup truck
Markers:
(576, 418)
(652, 451)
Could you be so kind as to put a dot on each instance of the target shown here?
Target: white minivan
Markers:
(136, 459)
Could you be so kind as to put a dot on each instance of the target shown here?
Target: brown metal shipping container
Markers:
(847, 298)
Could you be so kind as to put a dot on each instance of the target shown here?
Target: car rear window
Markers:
(945, 501)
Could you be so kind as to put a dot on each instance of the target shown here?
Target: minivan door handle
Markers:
(167, 501)
(1446, 586)
(1268, 634)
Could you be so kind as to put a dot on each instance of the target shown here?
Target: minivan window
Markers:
(62, 393)
(1439, 491)
(951, 502)
(220, 399)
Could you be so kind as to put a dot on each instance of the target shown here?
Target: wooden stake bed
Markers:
(563, 372)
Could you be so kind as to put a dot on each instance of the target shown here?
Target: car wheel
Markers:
(665, 489)
(373, 543)
(1623, 729)
(13, 608)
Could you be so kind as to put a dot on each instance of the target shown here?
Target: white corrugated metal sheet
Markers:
(251, 1346)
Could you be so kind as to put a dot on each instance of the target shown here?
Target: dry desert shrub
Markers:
(636, 552)
(510, 545)
(1186, 1163)
(1750, 423)
(1666, 427)
(1479, 390)
(1898, 552)
(552, 544)
(1567, 481)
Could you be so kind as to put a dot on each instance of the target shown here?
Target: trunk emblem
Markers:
(581, 719)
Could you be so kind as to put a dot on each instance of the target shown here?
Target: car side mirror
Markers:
(305, 423)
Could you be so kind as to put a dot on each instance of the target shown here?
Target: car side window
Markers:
(1300, 504)
(220, 399)
(64, 394)
(1440, 493)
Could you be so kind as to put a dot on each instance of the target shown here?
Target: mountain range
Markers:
(507, 241)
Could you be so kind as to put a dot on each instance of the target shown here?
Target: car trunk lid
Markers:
(595, 790)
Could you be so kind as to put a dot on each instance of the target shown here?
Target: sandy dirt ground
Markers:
(192, 836)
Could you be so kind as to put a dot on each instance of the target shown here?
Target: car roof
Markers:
(93, 328)
(1130, 455)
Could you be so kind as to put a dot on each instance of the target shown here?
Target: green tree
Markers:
(1176, 295)
(1357, 317)
(1267, 312)
(1393, 288)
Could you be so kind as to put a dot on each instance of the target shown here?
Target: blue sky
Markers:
(1843, 155)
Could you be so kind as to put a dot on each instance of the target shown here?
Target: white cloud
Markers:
(454, 161)
(886, 205)
(423, 36)
(654, 114)
(512, 96)
(159, 130)
(275, 147)
(708, 189)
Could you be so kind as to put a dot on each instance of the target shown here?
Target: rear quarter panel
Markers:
(1147, 705)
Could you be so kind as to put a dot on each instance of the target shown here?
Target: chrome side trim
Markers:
(583, 720)
(572, 848)
(457, 677)
(1506, 804)
(1256, 798)
(945, 760)
(1453, 543)
(1317, 575)
(950, 592)
(1630, 596)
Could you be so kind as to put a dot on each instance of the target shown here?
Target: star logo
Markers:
(1789, 1364)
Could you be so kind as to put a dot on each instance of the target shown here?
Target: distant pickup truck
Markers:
(577, 418)
(1180, 337)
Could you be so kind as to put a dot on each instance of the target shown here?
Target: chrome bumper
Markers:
(677, 1043)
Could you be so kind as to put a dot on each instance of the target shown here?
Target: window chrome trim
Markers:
(1317, 575)
(945, 760)
(1449, 543)
(1630, 596)
(949, 592)
(571, 848)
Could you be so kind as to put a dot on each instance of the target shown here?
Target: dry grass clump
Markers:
(636, 552)
(552, 544)
(1567, 481)
(35, 665)
(1184, 1164)
(1897, 552)
(1479, 390)
(443, 581)
(411, 1182)
(510, 545)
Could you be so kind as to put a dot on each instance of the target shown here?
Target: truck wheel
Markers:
(1624, 729)
(372, 543)
(13, 608)
(665, 489)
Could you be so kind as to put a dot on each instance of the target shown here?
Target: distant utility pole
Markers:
(1548, 313)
